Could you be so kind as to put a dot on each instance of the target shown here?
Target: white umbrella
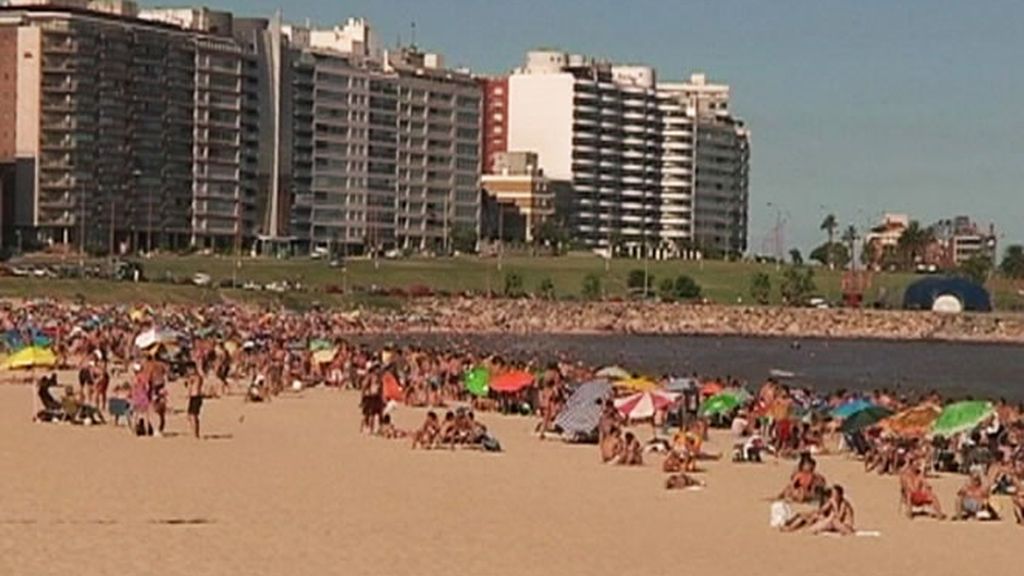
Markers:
(155, 336)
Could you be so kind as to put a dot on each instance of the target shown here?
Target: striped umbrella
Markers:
(583, 409)
(644, 404)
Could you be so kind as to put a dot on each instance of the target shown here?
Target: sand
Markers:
(290, 487)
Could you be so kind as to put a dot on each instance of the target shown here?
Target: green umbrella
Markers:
(961, 416)
(320, 344)
(864, 417)
(477, 381)
(719, 404)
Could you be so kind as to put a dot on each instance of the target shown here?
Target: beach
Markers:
(291, 487)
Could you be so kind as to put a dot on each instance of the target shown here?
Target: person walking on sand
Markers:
(194, 385)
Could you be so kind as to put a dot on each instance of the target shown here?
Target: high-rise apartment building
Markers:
(649, 163)
(597, 126)
(103, 115)
(224, 194)
(704, 167)
(393, 138)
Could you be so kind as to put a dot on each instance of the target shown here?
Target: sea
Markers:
(962, 370)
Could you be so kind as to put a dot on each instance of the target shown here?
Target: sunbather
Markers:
(805, 484)
(611, 445)
(632, 452)
(426, 436)
(836, 515)
(972, 501)
(681, 481)
(917, 494)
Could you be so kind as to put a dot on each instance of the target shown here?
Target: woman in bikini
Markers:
(835, 516)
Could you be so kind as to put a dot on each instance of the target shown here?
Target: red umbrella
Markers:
(511, 381)
(711, 388)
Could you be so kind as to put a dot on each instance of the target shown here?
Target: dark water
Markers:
(980, 370)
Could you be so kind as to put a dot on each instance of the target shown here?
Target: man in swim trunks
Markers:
(972, 500)
(917, 494)
(194, 384)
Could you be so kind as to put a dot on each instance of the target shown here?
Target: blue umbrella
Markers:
(850, 408)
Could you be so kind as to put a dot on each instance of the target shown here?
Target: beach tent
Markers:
(583, 409)
(947, 295)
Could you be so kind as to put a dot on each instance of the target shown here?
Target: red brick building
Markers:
(494, 133)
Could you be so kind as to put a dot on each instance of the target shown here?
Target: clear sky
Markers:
(856, 107)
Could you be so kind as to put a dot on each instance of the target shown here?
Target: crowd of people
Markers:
(207, 351)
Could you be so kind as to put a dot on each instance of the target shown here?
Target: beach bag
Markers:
(490, 444)
(780, 514)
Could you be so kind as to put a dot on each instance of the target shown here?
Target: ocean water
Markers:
(956, 369)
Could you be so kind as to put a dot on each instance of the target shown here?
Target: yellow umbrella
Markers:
(638, 384)
(30, 358)
(137, 315)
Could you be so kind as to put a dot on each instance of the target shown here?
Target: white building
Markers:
(641, 173)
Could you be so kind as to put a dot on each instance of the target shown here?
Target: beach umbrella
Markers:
(711, 388)
(392, 389)
(637, 384)
(863, 418)
(324, 356)
(645, 404)
(613, 373)
(477, 380)
(511, 381)
(155, 336)
(582, 410)
(961, 417)
(913, 422)
(719, 404)
(320, 344)
(31, 357)
(850, 408)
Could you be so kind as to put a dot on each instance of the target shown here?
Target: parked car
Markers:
(201, 279)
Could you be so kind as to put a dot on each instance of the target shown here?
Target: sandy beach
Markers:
(291, 487)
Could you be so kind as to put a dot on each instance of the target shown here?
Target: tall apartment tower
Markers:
(385, 145)
(224, 194)
(705, 167)
(598, 126)
(102, 116)
(647, 163)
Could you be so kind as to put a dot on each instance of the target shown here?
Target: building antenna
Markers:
(412, 28)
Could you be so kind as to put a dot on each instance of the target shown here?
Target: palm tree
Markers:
(829, 225)
(850, 237)
(913, 243)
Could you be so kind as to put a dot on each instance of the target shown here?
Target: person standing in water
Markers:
(194, 384)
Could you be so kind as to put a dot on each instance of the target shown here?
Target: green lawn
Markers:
(723, 282)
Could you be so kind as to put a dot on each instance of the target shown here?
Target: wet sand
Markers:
(290, 487)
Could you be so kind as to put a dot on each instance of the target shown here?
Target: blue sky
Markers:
(860, 106)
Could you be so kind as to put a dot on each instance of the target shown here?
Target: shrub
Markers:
(591, 287)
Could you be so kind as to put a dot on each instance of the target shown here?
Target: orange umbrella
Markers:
(392, 389)
(511, 381)
(912, 422)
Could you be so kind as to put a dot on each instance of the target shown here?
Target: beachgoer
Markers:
(632, 451)
(194, 386)
(426, 436)
(916, 493)
(682, 481)
(805, 484)
(612, 445)
(836, 515)
(972, 500)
